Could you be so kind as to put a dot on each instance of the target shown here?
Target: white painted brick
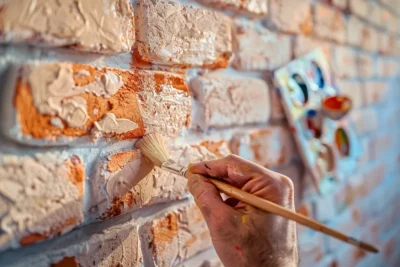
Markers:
(268, 147)
(223, 101)
(248, 7)
(169, 33)
(257, 48)
(70, 23)
(352, 89)
(43, 197)
(329, 23)
(282, 17)
(176, 237)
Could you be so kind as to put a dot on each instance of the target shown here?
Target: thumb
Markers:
(209, 201)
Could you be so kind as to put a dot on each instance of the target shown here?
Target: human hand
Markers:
(242, 234)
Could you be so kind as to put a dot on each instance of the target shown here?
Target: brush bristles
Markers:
(153, 147)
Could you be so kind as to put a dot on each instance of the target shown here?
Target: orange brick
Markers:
(116, 188)
(247, 7)
(257, 48)
(329, 23)
(222, 101)
(176, 237)
(281, 16)
(268, 147)
(44, 24)
(43, 195)
(166, 40)
(82, 101)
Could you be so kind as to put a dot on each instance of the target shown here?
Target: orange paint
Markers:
(76, 173)
(213, 146)
(54, 231)
(164, 231)
(118, 161)
(118, 205)
(336, 103)
(123, 104)
(66, 262)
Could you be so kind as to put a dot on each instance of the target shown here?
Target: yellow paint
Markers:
(243, 219)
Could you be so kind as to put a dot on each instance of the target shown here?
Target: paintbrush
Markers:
(153, 147)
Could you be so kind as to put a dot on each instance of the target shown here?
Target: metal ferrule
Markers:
(174, 167)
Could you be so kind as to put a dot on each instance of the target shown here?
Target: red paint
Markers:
(335, 102)
(239, 249)
(293, 129)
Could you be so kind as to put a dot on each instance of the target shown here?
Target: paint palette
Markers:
(316, 113)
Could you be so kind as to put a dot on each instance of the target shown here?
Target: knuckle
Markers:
(232, 157)
(287, 183)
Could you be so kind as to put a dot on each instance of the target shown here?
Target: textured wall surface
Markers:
(81, 80)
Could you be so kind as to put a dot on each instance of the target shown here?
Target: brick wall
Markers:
(199, 72)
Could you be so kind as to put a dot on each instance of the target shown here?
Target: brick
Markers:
(277, 112)
(324, 208)
(375, 92)
(366, 156)
(311, 248)
(365, 120)
(175, 237)
(388, 67)
(352, 89)
(268, 147)
(344, 62)
(247, 7)
(282, 17)
(374, 13)
(43, 196)
(365, 65)
(360, 8)
(386, 43)
(362, 35)
(43, 23)
(350, 256)
(169, 33)
(257, 48)
(329, 23)
(223, 101)
(342, 4)
(304, 45)
(117, 245)
(380, 145)
(83, 103)
(389, 21)
(116, 187)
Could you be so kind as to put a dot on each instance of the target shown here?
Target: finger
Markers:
(208, 199)
(232, 169)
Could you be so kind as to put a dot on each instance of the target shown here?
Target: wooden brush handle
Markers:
(271, 207)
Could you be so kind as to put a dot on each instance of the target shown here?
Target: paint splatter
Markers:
(239, 249)
(243, 218)
(207, 166)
